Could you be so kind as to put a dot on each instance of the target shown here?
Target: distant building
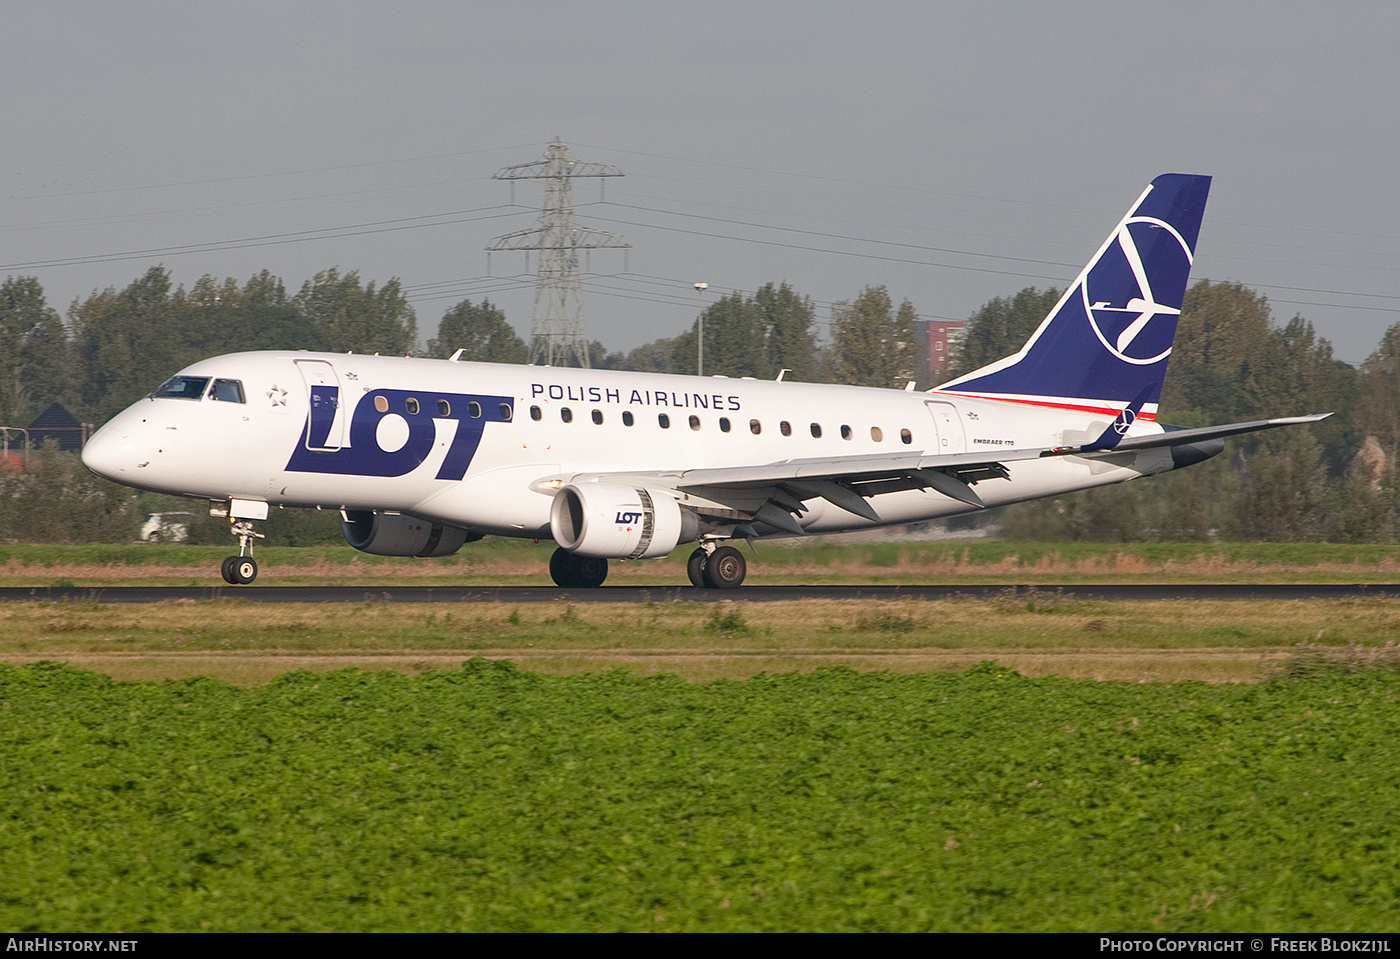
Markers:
(945, 337)
(57, 424)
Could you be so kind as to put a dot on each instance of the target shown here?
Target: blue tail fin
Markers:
(1105, 344)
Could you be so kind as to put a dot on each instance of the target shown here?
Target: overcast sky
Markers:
(951, 152)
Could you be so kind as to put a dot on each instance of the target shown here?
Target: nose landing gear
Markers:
(242, 569)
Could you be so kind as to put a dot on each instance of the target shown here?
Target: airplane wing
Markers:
(772, 493)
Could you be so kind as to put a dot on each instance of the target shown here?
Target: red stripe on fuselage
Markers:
(1050, 404)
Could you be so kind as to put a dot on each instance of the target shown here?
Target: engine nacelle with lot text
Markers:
(607, 520)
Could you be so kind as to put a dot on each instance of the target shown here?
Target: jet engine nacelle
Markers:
(605, 520)
(399, 534)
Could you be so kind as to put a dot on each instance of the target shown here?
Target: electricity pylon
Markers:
(558, 336)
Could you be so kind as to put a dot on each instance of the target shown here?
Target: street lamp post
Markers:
(700, 344)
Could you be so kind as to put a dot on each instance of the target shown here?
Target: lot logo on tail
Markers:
(1117, 291)
(1107, 340)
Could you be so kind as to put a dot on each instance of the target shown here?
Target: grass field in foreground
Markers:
(819, 560)
(1036, 633)
(485, 798)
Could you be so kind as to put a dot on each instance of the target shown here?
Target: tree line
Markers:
(1232, 361)
(873, 343)
(118, 345)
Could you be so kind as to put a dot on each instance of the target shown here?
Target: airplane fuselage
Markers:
(422, 456)
(487, 446)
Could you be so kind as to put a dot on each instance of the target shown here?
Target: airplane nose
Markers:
(108, 453)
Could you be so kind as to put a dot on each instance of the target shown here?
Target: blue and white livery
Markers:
(422, 456)
(1106, 343)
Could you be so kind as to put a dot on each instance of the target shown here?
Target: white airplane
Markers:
(422, 456)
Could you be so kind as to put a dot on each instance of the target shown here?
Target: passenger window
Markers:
(845, 432)
(598, 417)
(694, 422)
(755, 427)
(566, 414)
(724, 424)
(663, 420)
(229, 391)
(536, 413)
(627, 418)
(906, 437)
(506, 412)
(445, 408)
(876, 434)
(816, 431)
(473, 409)
(785, 428)
(381, 403)
(412, 406)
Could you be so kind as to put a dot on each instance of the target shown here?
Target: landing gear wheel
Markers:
(695, 568)
(725, 568)
(571, 571)
(244, 570)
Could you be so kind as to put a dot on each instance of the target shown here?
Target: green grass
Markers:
(497, 561)
(490, 799)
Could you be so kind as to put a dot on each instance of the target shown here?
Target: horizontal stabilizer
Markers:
(1184, 437)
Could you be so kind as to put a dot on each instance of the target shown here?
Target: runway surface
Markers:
(639, 594)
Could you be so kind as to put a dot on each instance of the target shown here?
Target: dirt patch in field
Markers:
(1132, 665)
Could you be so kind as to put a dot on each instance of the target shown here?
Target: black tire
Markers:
(695, 568)
(725, 568)
(227, 570)
(592, 570)
(245, 570)
(571, 571)
(559, 566)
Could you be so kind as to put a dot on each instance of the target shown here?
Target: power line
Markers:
(256, 176)
(275, 239)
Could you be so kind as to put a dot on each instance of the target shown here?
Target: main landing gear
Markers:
(719, 567)
(242, 569)
(709, 567)
(572, 571)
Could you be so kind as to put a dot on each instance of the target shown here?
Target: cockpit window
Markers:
(182, 388)
(230, 391)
